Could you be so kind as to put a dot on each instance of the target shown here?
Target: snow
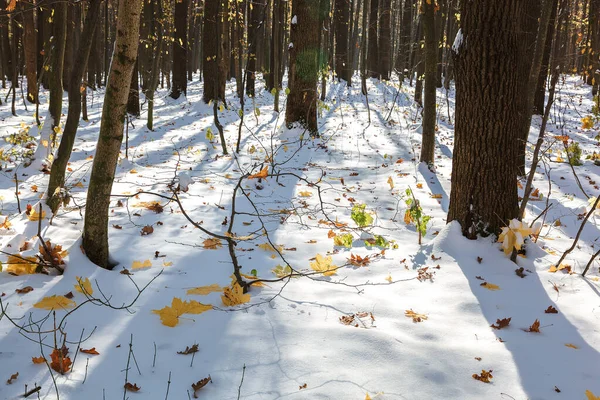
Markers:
(294, 20)
(289, 334)
(458, 41)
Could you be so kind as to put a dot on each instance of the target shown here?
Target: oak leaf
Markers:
(551, 310)
(200, 384)
(54, 303)
(501, 323)
(323, 265)
(535, 327)
(55, 255)
(169, 315)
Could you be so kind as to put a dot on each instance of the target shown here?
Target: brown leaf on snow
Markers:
(359, 261)
(12, 378)
(90, 351)
(131, 387)
(302, 387)
(212, 244)
(551, 310)
(416, 317)
(535, 327)
(189, 350)
(24, 290)
(501, 323)
(38, 360)
(60, 362)
(485, 376)
(147, 230)
(200, 384)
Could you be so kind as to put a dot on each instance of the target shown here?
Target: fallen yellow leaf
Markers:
(591, 396)
(305, 193)
(204, 290)
(141, 264)
(85, 284)
(169, 315)
(323, 265)
(55, 302)
(19, 265)
(35, 216)
(234, 295)
(212, 244)
(490, 286)
(390, 182)
(571, 345)
(416, 317)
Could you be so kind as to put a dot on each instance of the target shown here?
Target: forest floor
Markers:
(350, 335)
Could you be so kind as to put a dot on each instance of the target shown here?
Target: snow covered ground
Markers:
(290, 340)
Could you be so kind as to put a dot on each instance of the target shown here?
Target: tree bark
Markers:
(95, 230)
(179, 84)
(256, 11)
(30, 50)
(385, 43)
(211, 39)
(304, 65)
(343, 65)
(540, 89)
(76, 87)
(431, 49)
(487, 55)
(59, 21)
(373, 51)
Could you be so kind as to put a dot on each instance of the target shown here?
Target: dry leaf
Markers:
(390, 182)
(35, 216)
(234, 295)
(84, 286)
(212, 244)
(151, 205)
(358, 260)
(19, 265)
(169, 315)
(131, 388)
(551, 310)
(189, 350)
(54, 303)
(535, 327)
(262, 174)
(416, 317)
(302, 387)
(38, 360)
(147, 230)
(141, 264)
(323, 265)
(571, 345)
(305, 193)
(56, 255)
(485, 376)
(12, 378)
(61, 363)
(90, 351)
(204, 290)
(24, 290)
(591, 396)
(490, 286)
(200, 384)
(501, 323)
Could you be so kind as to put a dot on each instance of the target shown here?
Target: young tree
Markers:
(304, 64)
(487, 54)
(429, 103)
(95, 230)
(59, 165)
(180, 46)
(59, 21)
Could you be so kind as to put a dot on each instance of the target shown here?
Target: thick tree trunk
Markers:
(59, 21)
(211, 43)
(594, 21)
(385, 43)
(30, 50)
(343, 65)
(76, 88)
(487, 55)
(95, 230)
(404, 40)
(256, 12)
(431, 49)
(180, 45)
(373, 51)
(540, 89)
(304, 64)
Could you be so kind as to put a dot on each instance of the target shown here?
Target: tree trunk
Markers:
(179, 84)
(95, 230)
(385, 43)
(76, 88)
(540, 89)
(431, 49)
(59, 20)
(133, 101)
(30, 50)
(256, 12)
(211, 46)
(404, 40)
(373, 51)
(157, 32)
(594, 21)
(304, 64)
(487, 55)
(343, 65)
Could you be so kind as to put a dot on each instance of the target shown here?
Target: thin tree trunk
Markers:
(179, 84)
(30, 45)
(385, 46)
(373, 52)
(431, 49)
(59, 20)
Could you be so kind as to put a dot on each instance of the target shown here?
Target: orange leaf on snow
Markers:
(501, 323)
(262, 174)
(38, 360)
(212, 244)
(234, 295)
(131, 387)
(61, 363)
(485, 376)
(90, 351)
(200, 384)
(535, 327)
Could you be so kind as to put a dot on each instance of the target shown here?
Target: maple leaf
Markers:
(234, 295)
(35, 216)
(141, 264)
(169, 315)
(212, 244)
(84, 286)
(551, 310)
(200, 384)
(19, 265)
(189, 350)
(514, 235)
(61, 363)
(535, 327)
(501, 323)
(490, 286)
(38, 360)
(55, 255)
(262, 174)
(485, 376)
(55, 302)
(323, 265)
(12, 378)
(204, 290)
(416, 317)
(587, 122)
(281, 271)
(591, 396)
(90, 351)
(132, 387)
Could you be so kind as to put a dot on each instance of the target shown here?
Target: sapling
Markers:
(414, 214)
